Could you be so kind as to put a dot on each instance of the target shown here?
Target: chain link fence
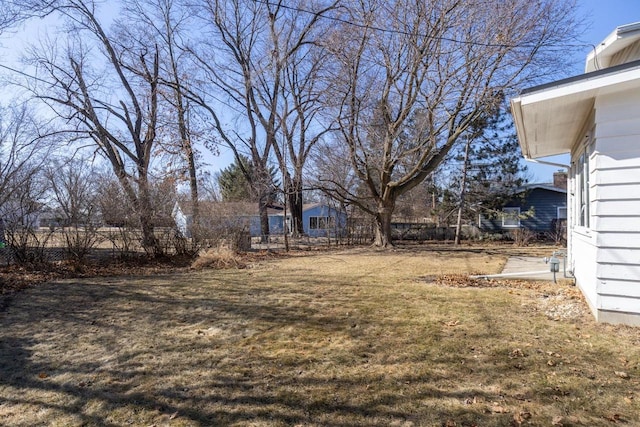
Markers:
(50, 245)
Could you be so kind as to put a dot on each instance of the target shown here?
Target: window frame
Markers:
(581, 167)
(566, 212)
(322, 222)
(507, 214)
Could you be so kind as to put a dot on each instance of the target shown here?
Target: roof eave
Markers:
(549, 117)
(621, 37)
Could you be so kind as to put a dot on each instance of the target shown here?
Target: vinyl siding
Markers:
(321, 210)
(583, 255)
(615, 197)
(545, 204)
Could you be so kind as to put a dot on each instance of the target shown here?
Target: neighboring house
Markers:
(227, 215)
(322, 220)
(595, 117)
(319, 220)
(536, 207)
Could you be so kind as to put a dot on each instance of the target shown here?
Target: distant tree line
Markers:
(373, 103)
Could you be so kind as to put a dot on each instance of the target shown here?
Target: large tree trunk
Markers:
(262, 186)
(294, 197)
(264, 220)
(141, 202)
(145, 215)
(383, 225)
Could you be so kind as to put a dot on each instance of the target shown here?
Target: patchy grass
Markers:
(319, 339)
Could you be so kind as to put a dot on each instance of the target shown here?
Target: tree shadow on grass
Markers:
(199, 350)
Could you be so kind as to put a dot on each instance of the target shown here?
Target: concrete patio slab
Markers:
(529, 268)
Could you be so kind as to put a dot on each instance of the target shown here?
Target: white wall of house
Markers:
(606, 251)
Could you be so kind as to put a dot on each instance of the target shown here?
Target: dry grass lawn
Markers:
(353, 338)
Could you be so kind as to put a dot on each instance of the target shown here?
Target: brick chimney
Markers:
(560, 179)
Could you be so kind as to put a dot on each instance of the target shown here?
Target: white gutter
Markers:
(543, 162)
(621, 37)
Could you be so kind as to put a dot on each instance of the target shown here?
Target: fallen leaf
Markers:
(516, 353)
(497, 409)
(622, 374)
(525, 415)
(551, 363)
(452, 323)
(520, 418)
(174, 416)
(615, 418)
(556, 421)
(450, 423)
(43, 375)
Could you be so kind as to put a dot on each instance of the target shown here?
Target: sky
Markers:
(600, 17)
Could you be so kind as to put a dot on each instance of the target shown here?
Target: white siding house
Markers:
(595, 117)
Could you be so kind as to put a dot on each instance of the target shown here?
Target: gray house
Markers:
(538, 207)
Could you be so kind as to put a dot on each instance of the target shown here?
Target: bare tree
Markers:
(253, 44)
(74, 188)
(25, 144)
(166, 22)
(416, 76)
(24, 147)
(14, 12)
(108, 90)
(301, 122)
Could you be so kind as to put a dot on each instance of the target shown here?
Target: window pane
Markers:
(511, 217)
(562, 213)
(322, 223)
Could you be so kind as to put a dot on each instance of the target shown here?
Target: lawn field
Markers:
(330, 338)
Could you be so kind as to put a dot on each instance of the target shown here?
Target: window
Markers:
(511, 217)
(581, 179)
(321, 222)
(562, 213)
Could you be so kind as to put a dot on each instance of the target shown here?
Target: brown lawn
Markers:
(350, 338)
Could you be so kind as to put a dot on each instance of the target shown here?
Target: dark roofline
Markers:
(585, 76)
(541, 186)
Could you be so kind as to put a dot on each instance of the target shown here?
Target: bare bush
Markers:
(218, 258)
(558, 232)
(79, 241)
(125, 241)
(522, 236)
(27, 246)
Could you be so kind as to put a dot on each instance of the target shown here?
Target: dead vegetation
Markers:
(342, 338)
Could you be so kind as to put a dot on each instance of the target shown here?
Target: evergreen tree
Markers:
(236, 187)
(494, 172)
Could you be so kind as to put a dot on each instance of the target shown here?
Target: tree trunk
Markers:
(294, 196)
(145, 216)
(141, 203)
(149, 241)
(383, 225)
(463, 187)
(193, 184)
(264, 216)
